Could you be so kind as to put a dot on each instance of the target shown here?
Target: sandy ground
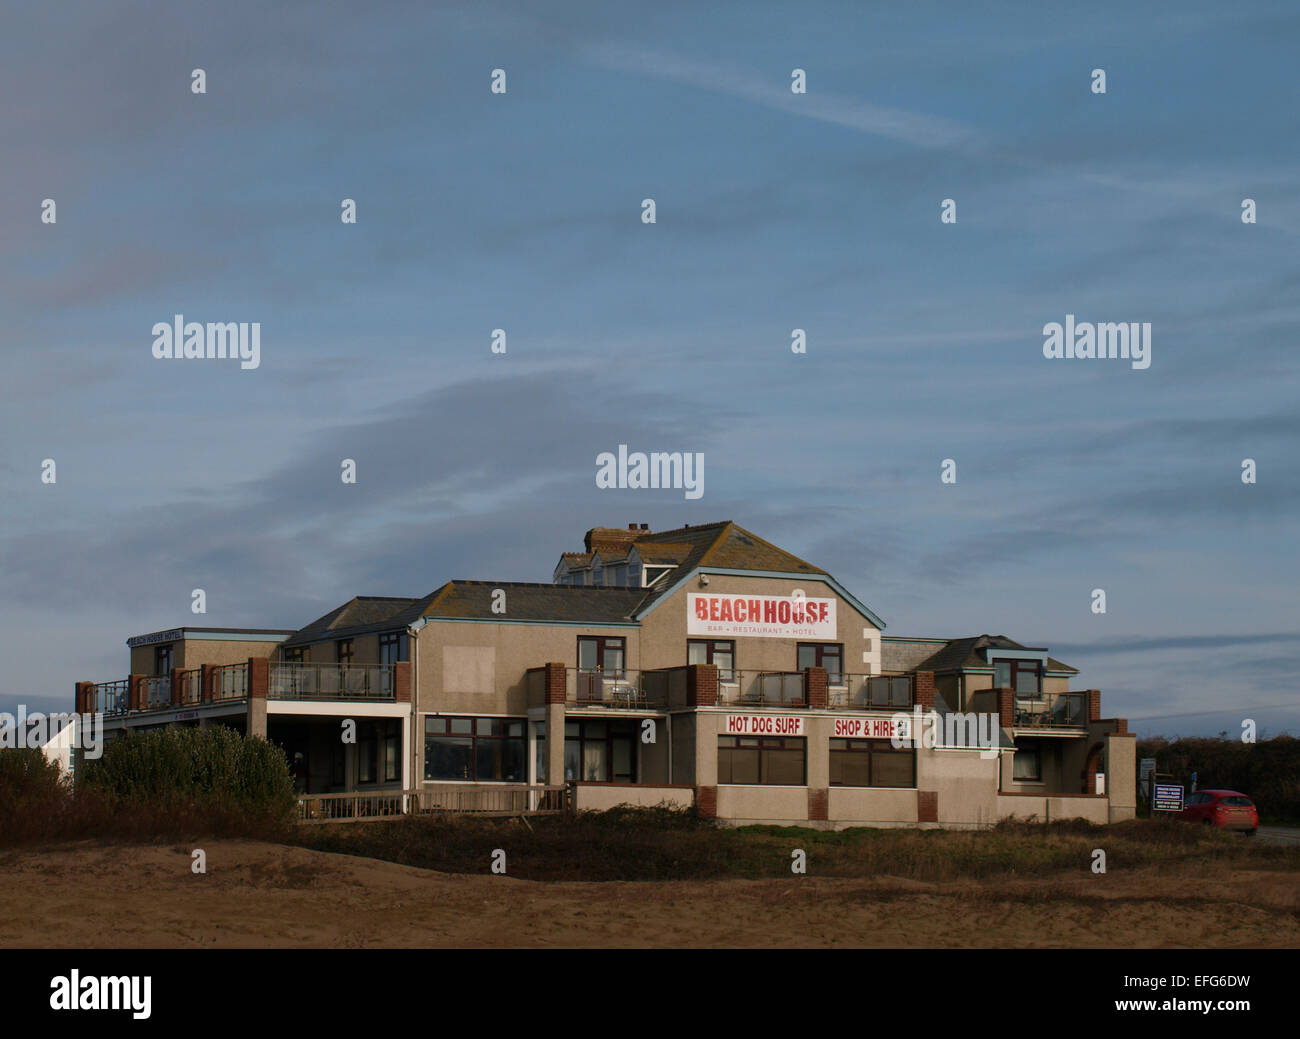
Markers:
(267, 895)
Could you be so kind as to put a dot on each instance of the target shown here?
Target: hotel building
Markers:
(700, 666)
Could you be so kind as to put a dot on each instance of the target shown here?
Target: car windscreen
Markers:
(1236, 802)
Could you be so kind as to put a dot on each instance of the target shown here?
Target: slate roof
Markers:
(724, 545)
(361, 616)
(971, 652)
(472, 600)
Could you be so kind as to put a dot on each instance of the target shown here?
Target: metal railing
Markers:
(111, 697)
(1050, 711)
(627, 689)
(389, 804)
(230, 682)
(156, 691)
(870, 692)
(289, 681)
(761, 687)
(191, 687)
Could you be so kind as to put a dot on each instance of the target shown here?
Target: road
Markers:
(1279, 835)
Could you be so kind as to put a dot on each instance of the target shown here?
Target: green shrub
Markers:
(213, 767)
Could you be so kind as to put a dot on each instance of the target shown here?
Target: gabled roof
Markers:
(723, 545)
(972, 652)
(657, 553)
(473, 600)
(359, 616)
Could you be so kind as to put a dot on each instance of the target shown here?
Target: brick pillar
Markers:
(814, 691)
(178, 686)
(1090, 769)
(923, 689)
(818, 803)
(556, 686)
(1121, 726)
(402, 681)
(701, 686)
(259, 677)
(85, 697)
(135, 692)
(927, 806)
(706, 800)
(1094, 705)
(207, 683)
(258, 680)
(1006, 708)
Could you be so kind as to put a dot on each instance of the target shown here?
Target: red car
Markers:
(1227, 809)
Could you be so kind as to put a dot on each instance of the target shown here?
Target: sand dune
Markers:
(90, 895)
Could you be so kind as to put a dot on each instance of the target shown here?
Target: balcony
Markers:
(181, 688)
(764, 688)
(1050, 711)
(891, 692)
(290, 681)
(843, 691)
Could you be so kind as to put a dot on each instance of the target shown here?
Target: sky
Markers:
(773, 211)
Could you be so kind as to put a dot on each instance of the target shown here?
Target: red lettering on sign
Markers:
(783, 611)
(726, 610)
(822, 609)
(739, 609)
(701, 608)
(769, 611)
(713, 610)
(753, 610)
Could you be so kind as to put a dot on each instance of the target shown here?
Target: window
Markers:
(392, 648)
(872, 763)
(829, 655)
(599, 653)
(600, 751)
(1024, 676)
(475, 750)
(345, 650)
(1027, 766)
(379, 752)
(162, 660)
(766, 760)
(616, 576)
(539, 761)
(297, 654)
(718, 652)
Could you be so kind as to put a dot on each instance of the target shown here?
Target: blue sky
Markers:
(775, 211)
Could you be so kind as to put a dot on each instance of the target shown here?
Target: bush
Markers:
(215, 767)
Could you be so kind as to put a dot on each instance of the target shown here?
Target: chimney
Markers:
(645, 526)
(631, 526)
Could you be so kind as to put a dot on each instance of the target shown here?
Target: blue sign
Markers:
(1168, 798)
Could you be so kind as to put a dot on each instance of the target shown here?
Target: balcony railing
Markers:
(870, 692)
(628, 689)
(1051, 711)
(330, 682)
(157, 692)
(760, 687)
(230, 682)
(111, 697)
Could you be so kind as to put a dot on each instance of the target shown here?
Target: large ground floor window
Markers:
(475, 750)
(600, 751)
(775, 760)
(872, 763)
